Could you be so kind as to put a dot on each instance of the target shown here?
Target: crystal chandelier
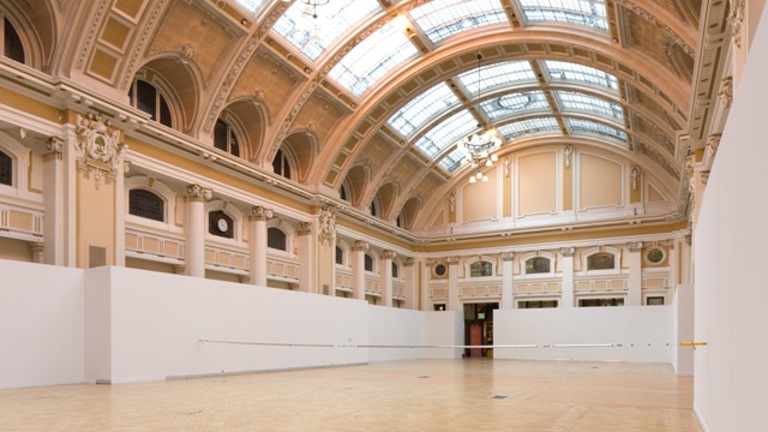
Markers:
(311, 6)
(479, 147)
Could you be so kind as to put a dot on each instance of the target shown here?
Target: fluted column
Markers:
(635, 282)
(453, 283)
(386, 276)
(195, 229)
(258, 218)
(358, 268)
(566, 299)
(507, 286)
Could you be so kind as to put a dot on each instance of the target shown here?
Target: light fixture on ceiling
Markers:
(480, 146)
(312, 5)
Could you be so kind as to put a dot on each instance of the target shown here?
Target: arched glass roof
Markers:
(585, 12)
(440, 19)
(447, 132)
(423, 108)
(511, 131)
(588, 127)
(250, 5)
(313, 36)
(515, 104)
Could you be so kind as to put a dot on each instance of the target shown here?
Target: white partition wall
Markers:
(636, 333)
(41, 325)
(731, 378)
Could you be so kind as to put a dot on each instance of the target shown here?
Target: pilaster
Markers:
(195, 229)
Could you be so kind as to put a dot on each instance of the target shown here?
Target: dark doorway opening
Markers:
(478, 328)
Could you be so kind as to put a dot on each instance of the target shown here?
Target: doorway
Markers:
(478, 328)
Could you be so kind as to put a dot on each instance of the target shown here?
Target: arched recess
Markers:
(357, 179)
(302, 148)
(37, 27)
(410, 211)
(158, 188)
(181, 81)
(251, 118)
(386, 196)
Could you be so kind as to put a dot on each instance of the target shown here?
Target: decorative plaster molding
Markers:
(635, 246)
(452, 203)
(98, 147)
(409, 262)
(726, 92)
(568, 154)
(327, 219)
(305, 228)
(361, 245)
(389, 254)
(55, 145)
(704, 176)
(567, 251)
(737, 20)
(634, 174)
(507, 256)
(185, 52)
(713, 143)
(451, 260)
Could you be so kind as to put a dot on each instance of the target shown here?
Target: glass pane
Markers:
(452, 161)
(589, 127)
(234, 145)
(537, 265)
(146, 98)
(571, 101)
(481, 268)
(339, 255)
(250, 5)
(601, 261)
(14, 49)
(498, 74)
(165, 113)
(515, 103)
(373, 58)
(442, 18)
(585, 12)
(276, 239)
(6, 169)
(312, 36)
(423, 108)
(368, 263)
(565, 71)
(144, 203)
(446, 133)
(220, 135)
(531, 126)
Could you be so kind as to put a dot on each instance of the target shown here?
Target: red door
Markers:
(475, 338)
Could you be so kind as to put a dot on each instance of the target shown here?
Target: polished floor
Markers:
(425, 395)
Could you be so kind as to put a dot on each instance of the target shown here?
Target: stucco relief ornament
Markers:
(98, 148)
(327, 224)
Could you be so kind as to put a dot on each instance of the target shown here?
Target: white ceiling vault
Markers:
(377, 93)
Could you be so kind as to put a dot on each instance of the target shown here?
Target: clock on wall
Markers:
(222, 224)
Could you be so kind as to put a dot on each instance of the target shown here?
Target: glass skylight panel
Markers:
(584, 102)
(312, 36)
(506, 73)
(565, 71)
(526, 127)
(416, 113)
(443, 18)
(452, 161)
(446, 133)
(372, 58)
(585, 12)
(250, 5)
(587, 126)
(515, 103)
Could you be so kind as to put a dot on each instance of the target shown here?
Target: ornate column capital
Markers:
(507, 256)
(260, 213)
(451, 260)
(361, 245)
(55, 147)
(389, 254)
(635, 246)
(567, 251)
(713, 143)
(409, 262)
(304, 228)
(196, 193)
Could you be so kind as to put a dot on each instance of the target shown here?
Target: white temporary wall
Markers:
(443, 328)
(389, 326)
(730, 238)
(638, 333)
(41, 325)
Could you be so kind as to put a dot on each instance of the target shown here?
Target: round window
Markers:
(655, 255)
(440, 270)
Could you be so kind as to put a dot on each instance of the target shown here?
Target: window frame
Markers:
(233, 131)
(285, 161)
(25, 51)
(490, 267)
(12, 168)
(284, 239)
(162, 95)
(162, 200)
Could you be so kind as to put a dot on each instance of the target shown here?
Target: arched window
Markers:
(374, 209)
(12, 46)
(480, 269)
(281, 165)
(399, 221)
(144, 203)
(339, 255)
(537, 265)
(6, 169)
(395, 270)
(220, 224)
(276, 239)
(343, 193)
(225, 138)
(368, 263)
(601, 261)
(147, 98)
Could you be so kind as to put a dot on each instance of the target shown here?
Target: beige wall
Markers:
(537, 183)
(600, 182)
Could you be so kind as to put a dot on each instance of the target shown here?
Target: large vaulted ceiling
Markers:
(373, 95)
